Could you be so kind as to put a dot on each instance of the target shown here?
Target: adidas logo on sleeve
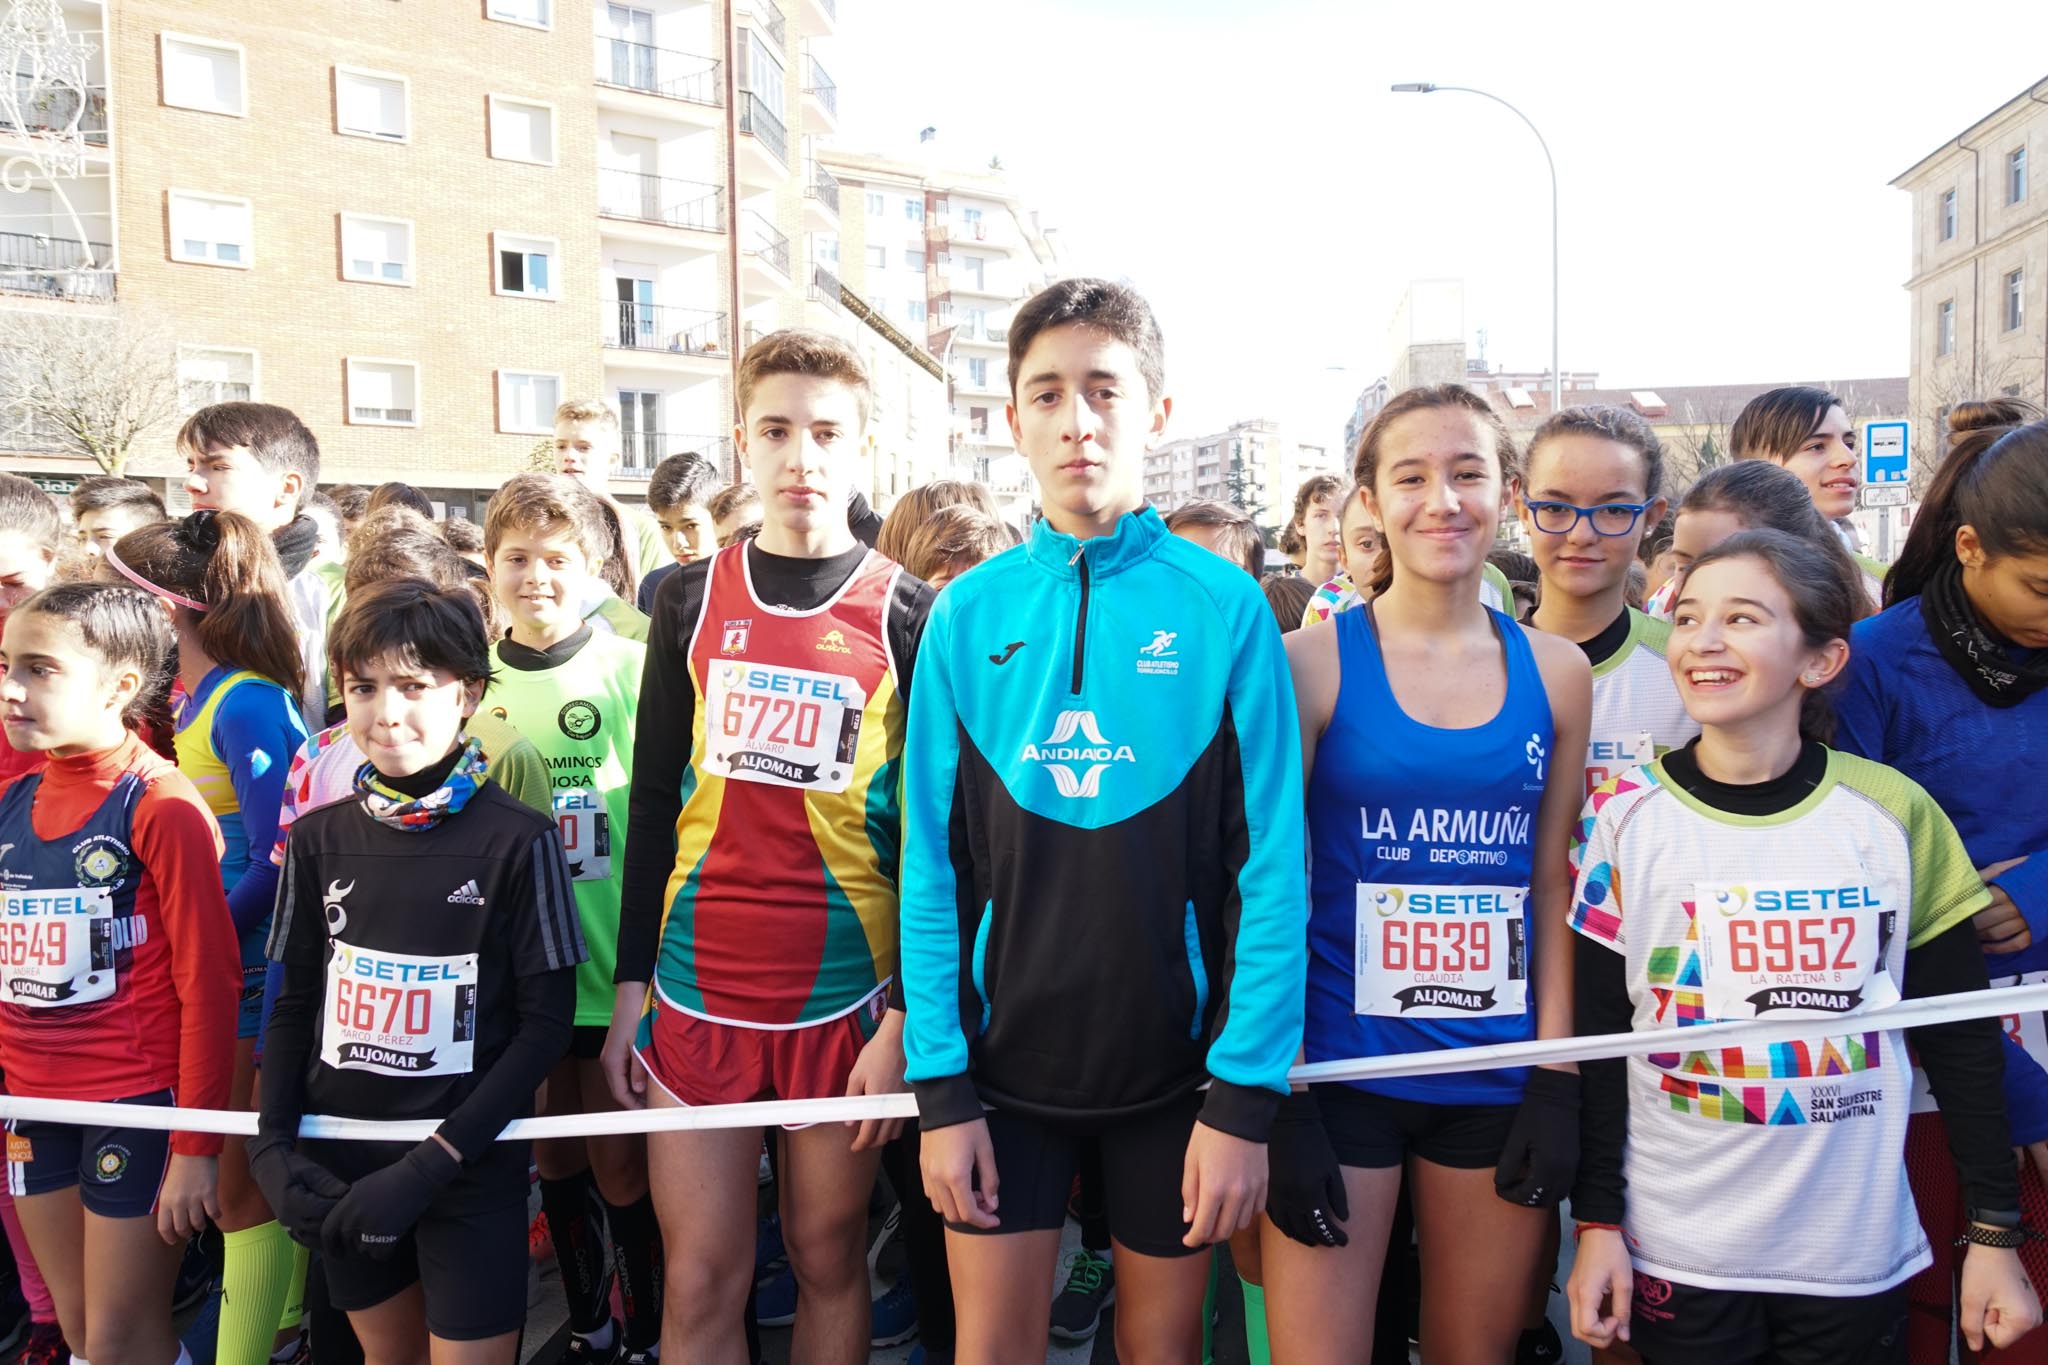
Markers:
(469, 893)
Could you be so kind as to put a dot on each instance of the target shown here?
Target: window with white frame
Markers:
(913, 260)
(977, 421)
(1948, 215)
(376, 250)
(913, 209)
(2016, 175)
(764, 71)
(204, 73)
(527, 401)
(215, 374)
(827, 248)
(1945, 328)
(383, 393)
(2015, 300)
(371, 104)
(914, 310)
(526, 265)
(977, 372)
(211, 229)
(532, 13)
(877, 205)
(522, 130)
(878, 258)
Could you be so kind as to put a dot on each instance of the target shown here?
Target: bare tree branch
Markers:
(91, 385)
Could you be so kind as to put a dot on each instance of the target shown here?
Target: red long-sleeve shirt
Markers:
(171, 1019)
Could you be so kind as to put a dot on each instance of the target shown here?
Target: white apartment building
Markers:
(1252, 464)
(948, 255)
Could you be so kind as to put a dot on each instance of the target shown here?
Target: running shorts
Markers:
(1373, 1132)
(1142, 1161)
(1679, 1324)
(118, 1171)
(702, 1061)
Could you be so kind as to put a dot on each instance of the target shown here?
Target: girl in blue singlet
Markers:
(1444, 746)
(237, 728)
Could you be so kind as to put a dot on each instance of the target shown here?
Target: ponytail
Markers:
(222, 569)
(1994, 480)
(621, 560)
(29, 510)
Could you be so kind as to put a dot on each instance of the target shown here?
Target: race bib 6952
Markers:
(1794, 949)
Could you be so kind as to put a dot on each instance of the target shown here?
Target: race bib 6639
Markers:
(1441, 952)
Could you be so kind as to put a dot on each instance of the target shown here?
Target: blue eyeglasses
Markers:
(1562, 518)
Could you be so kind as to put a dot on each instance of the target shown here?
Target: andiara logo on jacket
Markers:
(1060, 754)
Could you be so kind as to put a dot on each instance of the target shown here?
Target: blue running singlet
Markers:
(1420, 846)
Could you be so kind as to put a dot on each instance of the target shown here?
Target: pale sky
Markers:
(1723, 169)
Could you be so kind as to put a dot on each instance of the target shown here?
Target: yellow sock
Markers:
(255, 1274)
(295, 1292)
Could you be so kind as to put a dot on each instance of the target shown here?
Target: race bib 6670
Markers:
(398, 1014)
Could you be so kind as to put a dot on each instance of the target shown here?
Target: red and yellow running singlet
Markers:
(781, 910)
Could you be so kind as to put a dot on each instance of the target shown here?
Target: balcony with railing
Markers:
(760, 240)
(819, 86)
(825, 286)
(55, 267)
(660, 327)
(660, 199)
(821, 197)
(641, 451)
(659, 71)
(769, 16)
(53, 109)
(759, 119)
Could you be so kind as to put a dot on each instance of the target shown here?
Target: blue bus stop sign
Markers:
(1887, 453)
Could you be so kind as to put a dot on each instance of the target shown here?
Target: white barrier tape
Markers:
(1907, 1014)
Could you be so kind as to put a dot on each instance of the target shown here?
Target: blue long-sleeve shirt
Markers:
(256, 730)
(1103, 898)
(1902, 703)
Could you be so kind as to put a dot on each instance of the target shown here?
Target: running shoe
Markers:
(775, 1299)
(45, 1345)
(195, 1276)
(640, 1358)
(581, 1352)
(895, 1316)
(1091, 1287)
(764, 1174)
(300, 1352)
(1539, 1346)
(540, 1243)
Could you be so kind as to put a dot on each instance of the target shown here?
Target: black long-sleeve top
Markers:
(404, 917)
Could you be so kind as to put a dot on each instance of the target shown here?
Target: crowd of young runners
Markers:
(596, 809)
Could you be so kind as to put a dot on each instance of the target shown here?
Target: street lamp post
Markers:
(1425, 88)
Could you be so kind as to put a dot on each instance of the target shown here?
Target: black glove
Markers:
(299, 1190)
(381, 1208)
(1542, 1154)
(1305, 1186)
